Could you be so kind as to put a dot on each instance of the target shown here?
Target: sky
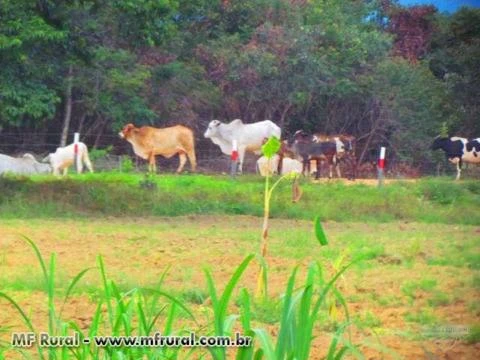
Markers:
(443, 5)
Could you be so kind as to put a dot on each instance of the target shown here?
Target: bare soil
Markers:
(137, 251)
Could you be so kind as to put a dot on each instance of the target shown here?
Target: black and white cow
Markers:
(459, 150)
(474, 145)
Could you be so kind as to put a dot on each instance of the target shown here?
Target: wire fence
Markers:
(115, 154)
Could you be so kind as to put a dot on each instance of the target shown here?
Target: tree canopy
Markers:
(384, 73)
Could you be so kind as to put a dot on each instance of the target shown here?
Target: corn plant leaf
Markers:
(271, 147)
(265, 344)
(287, 323)
(319, 233)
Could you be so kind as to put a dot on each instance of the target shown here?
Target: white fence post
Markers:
(381, 166)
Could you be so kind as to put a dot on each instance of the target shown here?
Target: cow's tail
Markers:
(86, 160)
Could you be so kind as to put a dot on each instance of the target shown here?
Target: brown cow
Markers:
(149, 141)
(305, 149)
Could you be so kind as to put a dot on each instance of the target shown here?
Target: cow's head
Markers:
(439, 143)
(212, 128)
(126, 131)
(300, 136)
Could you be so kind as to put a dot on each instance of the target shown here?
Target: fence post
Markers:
(76, 139)
(381, 166)
(234, 159)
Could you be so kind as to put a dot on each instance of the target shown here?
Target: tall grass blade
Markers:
(106, 289)
(286, 324)
(142, 319)
(245, 353)
(336, 338)
(221, 310)
(39, 257)
(25, 318)
(154, 320)
(51, 293)
(211, 289)
(319, 233)
(263, 285)
(265, 344)
(171, 317)
(304, 336)
(173, 300)
(70, 288)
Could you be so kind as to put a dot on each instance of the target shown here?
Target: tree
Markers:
(26, 68)
(455, 59)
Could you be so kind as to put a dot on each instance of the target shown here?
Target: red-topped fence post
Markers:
(234, 158)
(381, 166)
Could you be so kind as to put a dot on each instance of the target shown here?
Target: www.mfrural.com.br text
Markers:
(43, 339)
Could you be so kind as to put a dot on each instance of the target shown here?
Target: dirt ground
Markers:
(137, 251)
(370, 182)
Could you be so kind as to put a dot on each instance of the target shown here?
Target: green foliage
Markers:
(201, 194)
(454, 58)
(25, 91)
(271, 147)
(425, 316)
(95, 154)
(473, 336)
(444, 130)
(319, 233)
(320, 65)
(126, 164)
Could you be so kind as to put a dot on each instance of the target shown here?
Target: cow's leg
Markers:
(79, 162)
(459, 169)
(183, 159)
(241, 156)
(330, 167)
(306, 167)
(193, 160)
(353, 167)
(152, 166)
(87, 161)
(337, 167)
(65, 170)
(319, 164)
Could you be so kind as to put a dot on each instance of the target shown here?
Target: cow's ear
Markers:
(127, 128)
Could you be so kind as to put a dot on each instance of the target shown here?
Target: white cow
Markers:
(264, 166)
(248, 136)
(64, 157)
(26, 165)
(289, 165)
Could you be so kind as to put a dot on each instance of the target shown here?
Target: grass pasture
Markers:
(419, 275)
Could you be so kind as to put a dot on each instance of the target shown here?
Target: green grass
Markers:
(423, 316)
(118, 194)
(410, 288)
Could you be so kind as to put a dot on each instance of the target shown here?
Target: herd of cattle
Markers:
(296, 154)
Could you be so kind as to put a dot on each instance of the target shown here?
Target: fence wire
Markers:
(119, 156)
